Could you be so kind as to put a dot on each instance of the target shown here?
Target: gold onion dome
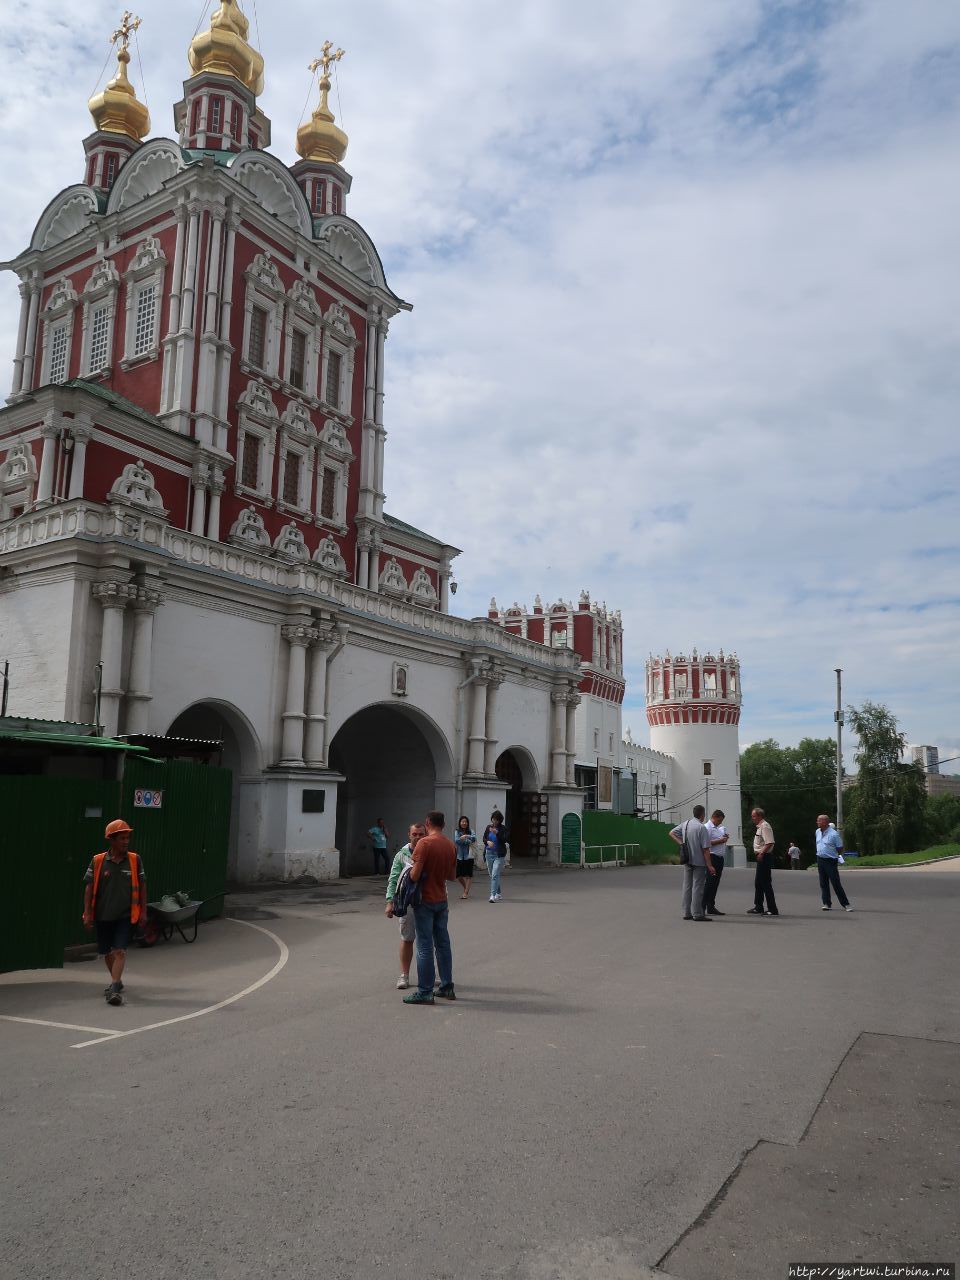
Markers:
(116, 109)
(319, 138)
(224, 49)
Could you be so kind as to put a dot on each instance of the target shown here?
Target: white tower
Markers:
(693, 709)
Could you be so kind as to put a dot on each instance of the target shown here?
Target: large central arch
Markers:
(397, 764)
(526, 805)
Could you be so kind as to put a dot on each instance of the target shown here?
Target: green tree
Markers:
(792, 784)
(886, 808)
(942, 816)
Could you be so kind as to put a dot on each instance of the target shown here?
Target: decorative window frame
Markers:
(258, 417)
(334, 454)
(58, 314)
(18, 479)
(303, 315)
(339, 336)
(102, 288)
(264, 289)
(146, 270)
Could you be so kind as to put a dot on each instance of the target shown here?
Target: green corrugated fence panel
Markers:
(46, 847)
(183, 843)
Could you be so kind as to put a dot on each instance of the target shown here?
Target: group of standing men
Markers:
(702, 856)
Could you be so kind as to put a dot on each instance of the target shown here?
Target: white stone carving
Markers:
(63, 297)
(328, 556)
(19, 466)
(274, 189)
(248, 530)
(147, 257)
(264, 271)
(257, 399)
(334, 436)
(145, 173)
(289, 544)
(392, 580)
(104, 276)
(338, 322)
(296, 416)
(134, 487)
(67, 215)
(303, 297)
(347, 248)
(421, 588)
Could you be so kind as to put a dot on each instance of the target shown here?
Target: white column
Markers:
(298, 638)
(199, 480)
(445, 587)
(573, 701)
(490, 724)
(363, 566)
(558, 751)
(173, 314)
(25, 293)
(373, 580)
(141, 659)
(226, 312)
(381, 434)
(113, 598)
(216, 486)
(49, 432)
(478, 719)
(314, 750)
(80, 430)
(30, 348)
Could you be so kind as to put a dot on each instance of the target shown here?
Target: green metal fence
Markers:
(51, 827)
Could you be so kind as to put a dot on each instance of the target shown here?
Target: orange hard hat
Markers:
(116, 828)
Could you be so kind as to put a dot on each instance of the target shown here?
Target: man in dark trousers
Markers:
(718, 845)
(114, 900)
(434, 863)
(763, 880)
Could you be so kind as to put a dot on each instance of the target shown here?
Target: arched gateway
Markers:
(396, 765)
(526, 806)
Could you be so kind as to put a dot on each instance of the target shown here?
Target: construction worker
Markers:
(114, 900)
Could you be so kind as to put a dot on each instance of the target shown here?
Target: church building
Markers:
(193, 534)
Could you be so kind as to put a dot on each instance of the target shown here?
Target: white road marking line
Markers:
(63, 1026)
(221, 1004)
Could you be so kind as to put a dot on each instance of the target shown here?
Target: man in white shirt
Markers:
(718, 844)
(793, 853)
(694, 843)
(763, 880)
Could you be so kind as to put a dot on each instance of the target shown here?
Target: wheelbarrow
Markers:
(172, 913)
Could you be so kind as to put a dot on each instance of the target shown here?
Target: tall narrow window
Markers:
(298, 358)
(319, 196)
(291, 479)
(250, 463)
(257, 345)
(58, 353)
(335, 199)
(328, 494)
(109, 170)
(332, 390)
(146, 320)
(236, 121)
(195, 117)
(99, 337)
(215, 123)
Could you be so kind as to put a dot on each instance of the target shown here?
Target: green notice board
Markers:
(570, 838)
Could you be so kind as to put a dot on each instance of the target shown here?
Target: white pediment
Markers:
(67, 213)
(274, 189)
(348, 248)
(145, 173)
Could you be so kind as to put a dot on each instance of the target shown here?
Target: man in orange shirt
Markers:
(434, 863)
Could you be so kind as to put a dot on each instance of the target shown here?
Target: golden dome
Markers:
(224, 49)
(116, 109)
(319, 138)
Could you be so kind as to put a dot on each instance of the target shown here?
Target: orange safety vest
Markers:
(134, 884)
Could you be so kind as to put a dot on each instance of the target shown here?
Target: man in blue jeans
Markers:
(434, 863)
(829, 848)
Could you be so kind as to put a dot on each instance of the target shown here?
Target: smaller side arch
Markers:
(208, 717)
(65, 215)
(271, 184)
(529, 773)
(145, 173)
(347, 243)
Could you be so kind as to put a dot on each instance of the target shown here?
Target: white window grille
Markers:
(146, 320)
(59, 347)
(99, 337)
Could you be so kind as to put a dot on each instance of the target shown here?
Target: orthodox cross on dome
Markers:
(326, 60)
(128, 25)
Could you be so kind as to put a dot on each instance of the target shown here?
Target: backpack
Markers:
(684, 848)
(407, 893)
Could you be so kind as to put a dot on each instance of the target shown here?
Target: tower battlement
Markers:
(695, 689)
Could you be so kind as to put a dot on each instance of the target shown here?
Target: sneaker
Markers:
(492, 898)
(403, 982)
(447, 993)
(114, 997)
(826, 907)
(848, 907)
(113, 985)
(498, 897)
(418, 997)
(755, 911)
(771, 913)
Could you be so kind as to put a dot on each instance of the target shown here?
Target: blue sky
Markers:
(685, 327)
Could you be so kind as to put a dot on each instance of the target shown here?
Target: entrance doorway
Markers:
(393, 761)
(526, 807)
(241, 755)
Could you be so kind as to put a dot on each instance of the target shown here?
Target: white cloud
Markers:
(685, 327)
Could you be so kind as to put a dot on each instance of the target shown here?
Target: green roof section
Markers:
(70, 740)
(402, 527)
(115, 401)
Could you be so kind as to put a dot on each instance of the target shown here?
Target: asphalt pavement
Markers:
(615, 1094)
